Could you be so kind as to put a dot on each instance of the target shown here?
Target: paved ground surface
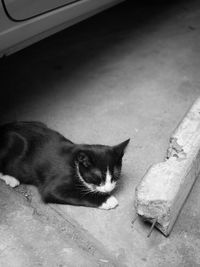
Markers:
(132, 71)
(34, 235)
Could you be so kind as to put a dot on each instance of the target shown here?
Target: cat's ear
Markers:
(83, 158)
(120, 148)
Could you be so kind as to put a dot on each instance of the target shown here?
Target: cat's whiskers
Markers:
(85, 190)
(86, 193)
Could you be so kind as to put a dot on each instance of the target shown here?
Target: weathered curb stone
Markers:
(163, 190)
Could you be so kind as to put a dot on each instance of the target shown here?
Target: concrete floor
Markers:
(132, 71)
(36, 236)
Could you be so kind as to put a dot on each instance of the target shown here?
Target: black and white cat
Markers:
(63, 172)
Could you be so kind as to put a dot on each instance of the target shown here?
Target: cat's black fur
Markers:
(37, 155)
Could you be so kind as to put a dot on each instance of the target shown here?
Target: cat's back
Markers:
(30, 129)
(24, 145)
(34, 133)
(24, 128)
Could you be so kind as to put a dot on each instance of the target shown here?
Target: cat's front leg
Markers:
(110, 203)
(62, 195)
(104, 202)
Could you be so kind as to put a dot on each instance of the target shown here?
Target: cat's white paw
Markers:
(9, 180)
(110, 203)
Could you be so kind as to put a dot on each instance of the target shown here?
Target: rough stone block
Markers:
(163, 190)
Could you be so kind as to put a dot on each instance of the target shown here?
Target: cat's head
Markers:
(98, 167)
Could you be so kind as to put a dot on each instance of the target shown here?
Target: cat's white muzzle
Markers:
(106, 188)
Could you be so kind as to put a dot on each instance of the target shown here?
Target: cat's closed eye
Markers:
(92, 178)
(97, 173)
